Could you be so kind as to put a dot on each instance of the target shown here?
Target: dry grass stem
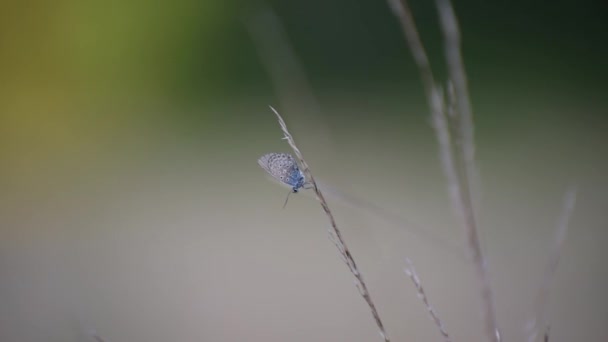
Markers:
(459, 88)
(468, 178)
(540, 321)
(364, 206)
(446, 152)
(285, 69)
(411, 272)
(461, 184)
(279, 59)
(334, 232)
(402, 10)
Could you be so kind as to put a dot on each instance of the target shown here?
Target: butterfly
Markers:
(284, 168)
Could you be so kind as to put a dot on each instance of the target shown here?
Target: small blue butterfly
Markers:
(284, 168)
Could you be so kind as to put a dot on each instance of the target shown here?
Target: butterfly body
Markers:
(284, 168)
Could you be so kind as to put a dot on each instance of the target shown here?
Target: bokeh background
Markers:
(132, 205)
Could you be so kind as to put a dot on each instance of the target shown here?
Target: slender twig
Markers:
(411, 272)
(540, 321)
(279, 58)
(334, 231)
(365, 206)
(402, 10)
(446, 152)
(459, 87)
(433, 94)
(469, 178)
(459, 183)
(284, 67)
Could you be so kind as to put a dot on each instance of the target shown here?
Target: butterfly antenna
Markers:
(286, 199)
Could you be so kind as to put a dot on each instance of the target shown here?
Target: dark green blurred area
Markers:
(200, 50)
(103, 74)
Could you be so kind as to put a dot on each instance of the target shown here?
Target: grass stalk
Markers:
(410, 271)
(540, 320)
(334, 232)
(460, 180)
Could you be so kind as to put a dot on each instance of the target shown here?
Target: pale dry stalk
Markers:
(540, 320)
(460, 184)
(334, 231)
(410, 271)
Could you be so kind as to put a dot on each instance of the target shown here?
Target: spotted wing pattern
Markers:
(282, 167)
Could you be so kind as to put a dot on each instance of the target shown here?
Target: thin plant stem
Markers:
(459, 89)
(459, 183)
(469, 177)
(284, 68)
(540, 321)
(364, 206)
(334, 232)
(410, 271)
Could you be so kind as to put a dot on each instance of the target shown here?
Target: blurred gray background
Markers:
(132, 204)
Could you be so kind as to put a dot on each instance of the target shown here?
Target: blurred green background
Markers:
(132, 203)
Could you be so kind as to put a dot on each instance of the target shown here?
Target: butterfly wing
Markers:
(281, 166)
(263, 162)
